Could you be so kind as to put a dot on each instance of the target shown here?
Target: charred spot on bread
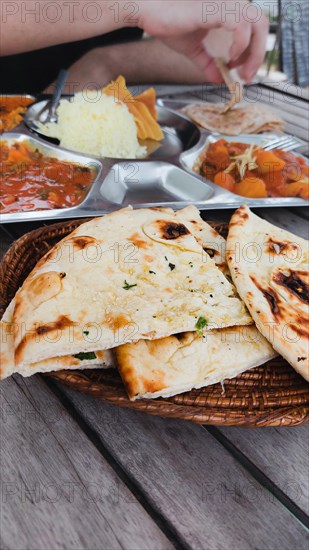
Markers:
(280, 247)
(180, 336)
(172, 230)
(81, 242)
(294, 282)
(153, 385)
(117, 322)
(137, 240)
(270, 296)
(239, 217)
(61, 323)
(210, 251)
(300, 327)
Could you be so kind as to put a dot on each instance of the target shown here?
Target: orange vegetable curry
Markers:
(254, 173)
(31, 181)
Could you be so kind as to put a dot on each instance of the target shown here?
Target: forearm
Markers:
(150, 61)
(146, 61)
(182, 24)
(30, 25)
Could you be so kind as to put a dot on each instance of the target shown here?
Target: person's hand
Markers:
(183, 25)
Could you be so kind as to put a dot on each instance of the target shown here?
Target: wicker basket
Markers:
(271, 395)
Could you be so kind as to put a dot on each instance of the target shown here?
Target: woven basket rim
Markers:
(269, 395)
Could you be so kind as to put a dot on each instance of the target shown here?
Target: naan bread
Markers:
(249, 119)
(166, 367)
(207, 237)
(130, 275)
(269, 267)
(103, 359)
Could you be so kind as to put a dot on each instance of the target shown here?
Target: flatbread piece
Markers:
(130, 275)
(270, 269)
(166, 367)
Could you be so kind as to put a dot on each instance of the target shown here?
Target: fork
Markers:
(287, 143)
(49, 111)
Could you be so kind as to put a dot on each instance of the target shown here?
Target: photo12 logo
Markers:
(69, 11)
(252, 12)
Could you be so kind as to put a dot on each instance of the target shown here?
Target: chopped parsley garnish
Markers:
(86, 332)
(153, 272)
(191, 264)
(171, 266)
(85, 355)
(166, 258)
(127, 286)
(200, 324)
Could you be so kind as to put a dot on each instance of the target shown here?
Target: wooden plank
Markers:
(284, 218)
(281, 454)
(57, 489)
(210, 499)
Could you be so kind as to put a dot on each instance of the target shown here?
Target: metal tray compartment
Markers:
(180, 134)
(152, 184)
(164, 178)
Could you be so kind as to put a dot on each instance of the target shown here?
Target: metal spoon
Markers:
(49, 111)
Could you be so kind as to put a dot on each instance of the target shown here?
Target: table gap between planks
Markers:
(78, 473)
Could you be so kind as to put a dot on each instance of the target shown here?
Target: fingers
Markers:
(253, 57)
(181, 27)
(192, 46)
(257, 50)
(242, 39)
(208, 68)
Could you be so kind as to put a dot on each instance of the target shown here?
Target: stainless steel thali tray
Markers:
(164, 178)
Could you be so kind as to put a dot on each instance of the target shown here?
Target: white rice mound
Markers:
(96, 125)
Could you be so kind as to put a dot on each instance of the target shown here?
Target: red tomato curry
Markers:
(30, 180)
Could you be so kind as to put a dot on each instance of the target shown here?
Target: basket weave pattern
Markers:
(270, 395)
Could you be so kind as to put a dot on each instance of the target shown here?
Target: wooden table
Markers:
(77, 473)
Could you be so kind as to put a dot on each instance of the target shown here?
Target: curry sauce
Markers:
(30, 180)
